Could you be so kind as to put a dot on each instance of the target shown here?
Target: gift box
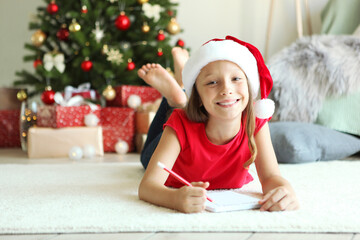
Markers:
(57, 116)
(143, 121)
(9, 128)
(8, 98)
(118, 124)
(140, 140)
(52, 143)
(147, 94)
(82, 90)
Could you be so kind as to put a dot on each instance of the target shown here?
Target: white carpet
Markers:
(102, 197)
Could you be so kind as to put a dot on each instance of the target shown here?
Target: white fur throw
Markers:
(311, 69)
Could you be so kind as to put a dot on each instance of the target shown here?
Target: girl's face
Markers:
(223, 89)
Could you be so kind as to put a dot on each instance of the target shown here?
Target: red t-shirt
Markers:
(201, 160)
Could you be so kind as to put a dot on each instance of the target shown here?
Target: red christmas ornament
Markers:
(48, 96)
(37, 63)
(52, 8)
(63, 33)
(86, 65)
(160, 52)
(130, 65)
(180, 43)
(160, 36)
(170, 13)
(122, 22)
(84, 9)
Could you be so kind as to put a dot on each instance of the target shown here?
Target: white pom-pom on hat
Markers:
(246, 56)
(264, 108)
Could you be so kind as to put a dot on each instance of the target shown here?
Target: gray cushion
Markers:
(296, 142)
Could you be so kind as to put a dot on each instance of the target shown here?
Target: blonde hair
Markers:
(196, 112)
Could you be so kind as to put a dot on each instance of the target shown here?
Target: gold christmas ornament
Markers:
(173, 27)
(38, 38)
(142, 1)
(145, 28)
(74, 26)
(109, 93)
(21, 95)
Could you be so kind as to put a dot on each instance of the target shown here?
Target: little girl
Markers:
(220, 132)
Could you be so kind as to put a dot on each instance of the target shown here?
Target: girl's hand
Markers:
(279, 199)
(192, 199)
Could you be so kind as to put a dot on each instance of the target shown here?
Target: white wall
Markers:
(200, 19)
(245, 19)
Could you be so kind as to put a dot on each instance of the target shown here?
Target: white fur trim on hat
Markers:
(221, 50)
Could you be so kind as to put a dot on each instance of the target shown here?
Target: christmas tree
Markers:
(102, 42)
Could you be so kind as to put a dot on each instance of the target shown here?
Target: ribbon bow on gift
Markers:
(152, 11)
(54, 60)
(69, 91)
(73, 101)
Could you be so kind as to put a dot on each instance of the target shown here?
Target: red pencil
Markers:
(178, 177)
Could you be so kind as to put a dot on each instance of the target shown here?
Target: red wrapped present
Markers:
(63, 116)
(118, 124)
(147, 94)
(9, 128)
(9, 98)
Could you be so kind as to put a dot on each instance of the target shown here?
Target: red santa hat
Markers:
(246, 56)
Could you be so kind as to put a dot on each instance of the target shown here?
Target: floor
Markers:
(19, 157)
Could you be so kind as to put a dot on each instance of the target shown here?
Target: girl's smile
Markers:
(228, 103)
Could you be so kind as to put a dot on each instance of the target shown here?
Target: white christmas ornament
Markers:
(75, 153)
(114, 56)
(134, 101)
(91, 120)
(89, 151)
(54, 60)
(121, 147)
(99, 34)
(152, 11)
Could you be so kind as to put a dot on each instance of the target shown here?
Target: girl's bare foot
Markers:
(180, 57)
(157, 77)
